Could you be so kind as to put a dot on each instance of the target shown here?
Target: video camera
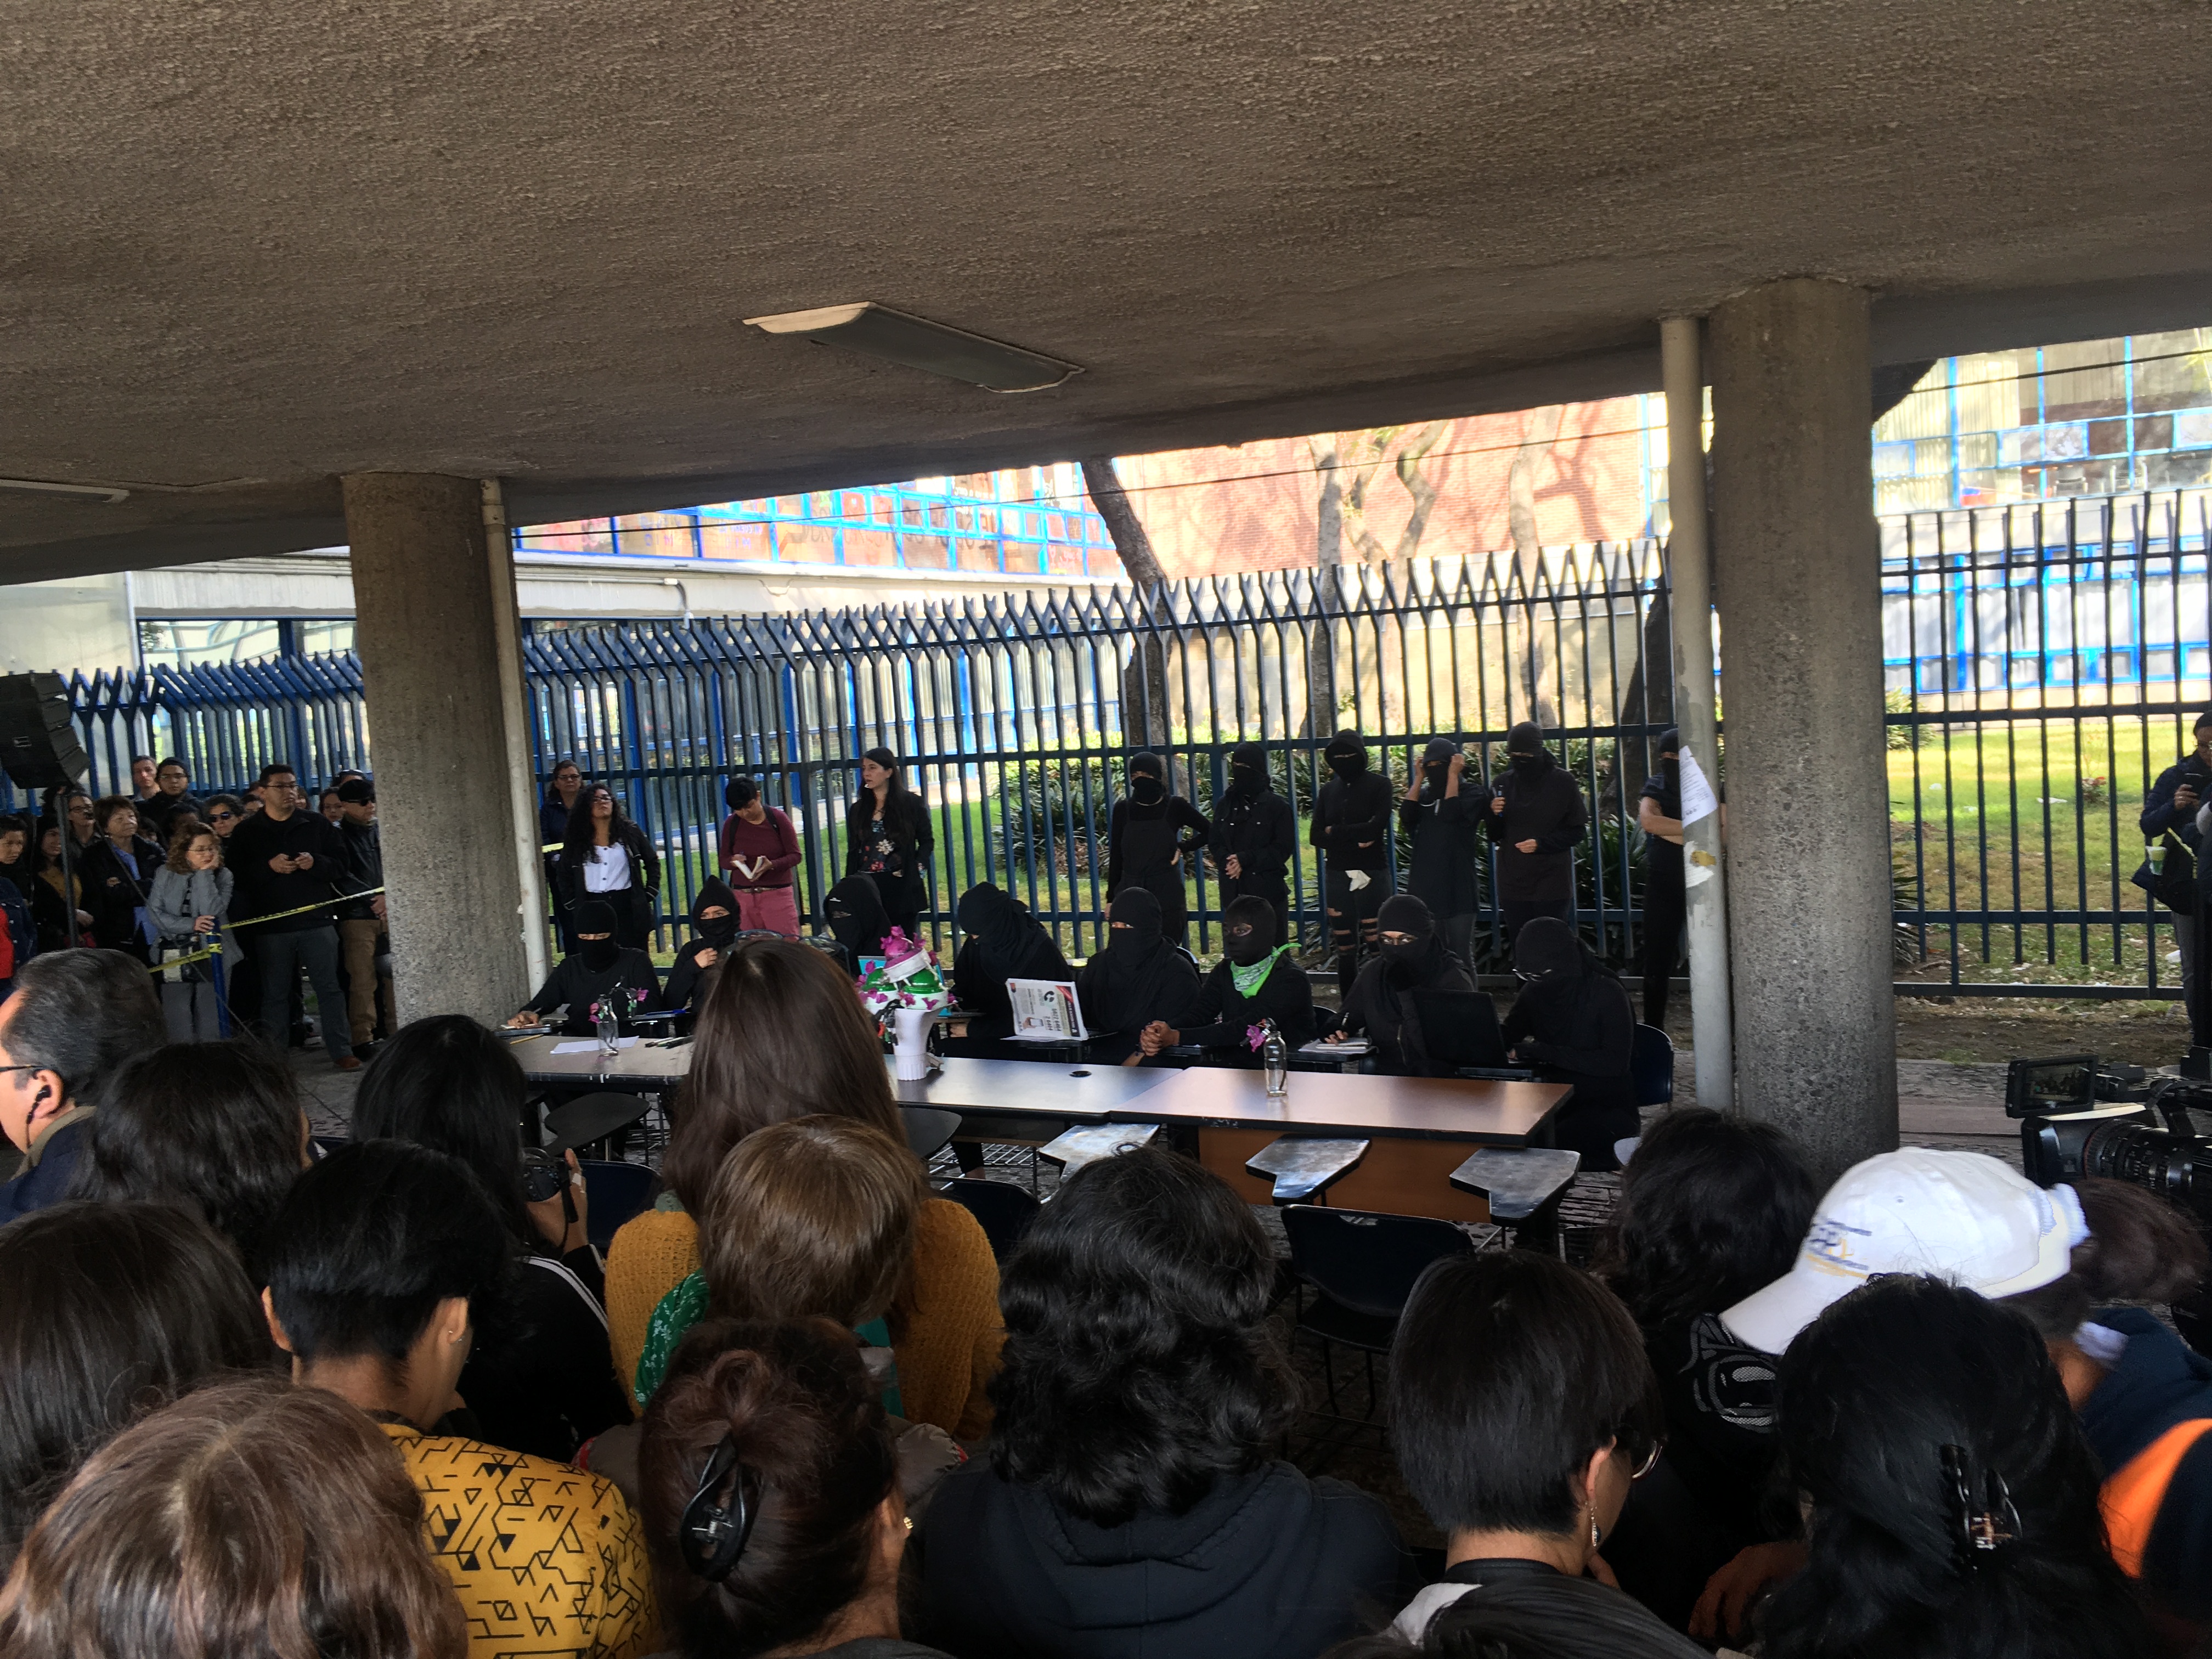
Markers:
(2078, 1119)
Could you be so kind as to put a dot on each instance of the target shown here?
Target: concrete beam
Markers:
(1797, 573)
(435, 627)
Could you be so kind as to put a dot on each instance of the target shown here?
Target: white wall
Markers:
(84, 622)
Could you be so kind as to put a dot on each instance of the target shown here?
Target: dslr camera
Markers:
(2078, 1118)
(543, 1174)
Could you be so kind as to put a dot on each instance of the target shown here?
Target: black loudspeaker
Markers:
(39, 748)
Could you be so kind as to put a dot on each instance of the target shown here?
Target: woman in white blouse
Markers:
(607, 857)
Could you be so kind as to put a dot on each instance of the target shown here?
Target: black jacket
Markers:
(1189, 824)
(549, 1385)
(1442, 871)
(1223, 1014)
(1260, 830)
(1352, 822)
(1549, 810)
(577, 986)
(262, 892)
(48, 1180)
(644, 872)
(1273, 1565)
(364, 868)
(913, 842)
(111, 892)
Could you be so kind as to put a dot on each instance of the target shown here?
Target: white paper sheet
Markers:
(1351, 1048)
(591, 1045)
(1697, 798)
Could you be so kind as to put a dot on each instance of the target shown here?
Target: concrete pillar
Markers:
(1689, 566)
(434, 624)
(1796, 569)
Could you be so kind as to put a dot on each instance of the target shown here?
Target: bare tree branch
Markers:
(1122, 523)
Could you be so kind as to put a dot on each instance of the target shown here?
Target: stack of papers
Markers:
(1350, 1048)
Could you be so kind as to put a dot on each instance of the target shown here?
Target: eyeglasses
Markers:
(1650, 1459)
(221, 817)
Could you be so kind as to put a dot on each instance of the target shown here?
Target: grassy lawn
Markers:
(2037, 817)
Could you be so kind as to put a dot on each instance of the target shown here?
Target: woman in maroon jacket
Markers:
(760, 851)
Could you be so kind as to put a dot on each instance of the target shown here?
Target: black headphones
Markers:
(713, 1533)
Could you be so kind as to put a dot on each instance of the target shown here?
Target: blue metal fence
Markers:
(2044, 662)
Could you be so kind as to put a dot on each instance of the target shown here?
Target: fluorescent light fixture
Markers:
(107, 493)
(919, 344)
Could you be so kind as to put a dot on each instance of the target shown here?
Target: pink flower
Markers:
(1255, 1037)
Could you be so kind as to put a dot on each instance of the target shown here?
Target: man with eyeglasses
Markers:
(75, 1017)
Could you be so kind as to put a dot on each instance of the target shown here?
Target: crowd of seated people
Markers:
(260, 1394)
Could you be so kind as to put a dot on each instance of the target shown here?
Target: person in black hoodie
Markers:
(1146, 835)
(1004, 941)
(1666, 901)
(1130, 1504)
(1573, 1022)
(1536, 818)
(1255, 980)
(1137, 979)
(714, 925)
(1352, 829)
(1412, 959)
(854, 914)
(1255, 833)
(599, 966)
(362, 935)
(1442, 819)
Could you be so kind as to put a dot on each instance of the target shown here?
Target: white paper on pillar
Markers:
(1698, 800)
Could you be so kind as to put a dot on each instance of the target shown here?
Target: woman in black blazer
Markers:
(116, 870)
(608, 857)
(888, 837)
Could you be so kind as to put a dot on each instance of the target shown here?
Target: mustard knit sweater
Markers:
(948, 1317)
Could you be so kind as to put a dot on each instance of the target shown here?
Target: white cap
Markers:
(1959, 1217)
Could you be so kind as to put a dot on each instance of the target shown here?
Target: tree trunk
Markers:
(1329, 554)
(1144, 675)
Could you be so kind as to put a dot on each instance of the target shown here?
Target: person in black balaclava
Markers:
(1001, 941)
(1443, 819)
(856, 918)
(598, 967)
(1412, 957)
(1147, 836)
(713, 927)
(1659, 815)
(1137, 979)
(1536, 820)
(1352, 830)
(1256, 979)
(1573, 1024)
(1255, 833)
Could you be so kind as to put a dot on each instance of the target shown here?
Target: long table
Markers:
(1419, 1130)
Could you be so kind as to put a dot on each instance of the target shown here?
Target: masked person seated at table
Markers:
(1257, 979)
(856, 919)
(1004, 941)
(1573, 1022)
(1382, 1007)
(598, 968)
(1139, 978)
(714, 925)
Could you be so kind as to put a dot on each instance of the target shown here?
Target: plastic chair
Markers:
(615, 1192)
(1090, 1143)
(1523, 1186)
(1651, 1066)
(927, 1129)
(1361, 1266)
(593, 1117)
(1003, 1210)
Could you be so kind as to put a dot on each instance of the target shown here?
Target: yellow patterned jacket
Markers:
(547, 1560)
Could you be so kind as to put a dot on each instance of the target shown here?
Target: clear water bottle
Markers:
(610, 1030)
(1275, 1060)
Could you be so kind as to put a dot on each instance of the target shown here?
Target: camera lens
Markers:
(2149, 1158)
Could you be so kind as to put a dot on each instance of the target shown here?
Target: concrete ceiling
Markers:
(249, 248)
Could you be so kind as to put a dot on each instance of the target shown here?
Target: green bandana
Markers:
(686, 1305)
(1249, 979)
